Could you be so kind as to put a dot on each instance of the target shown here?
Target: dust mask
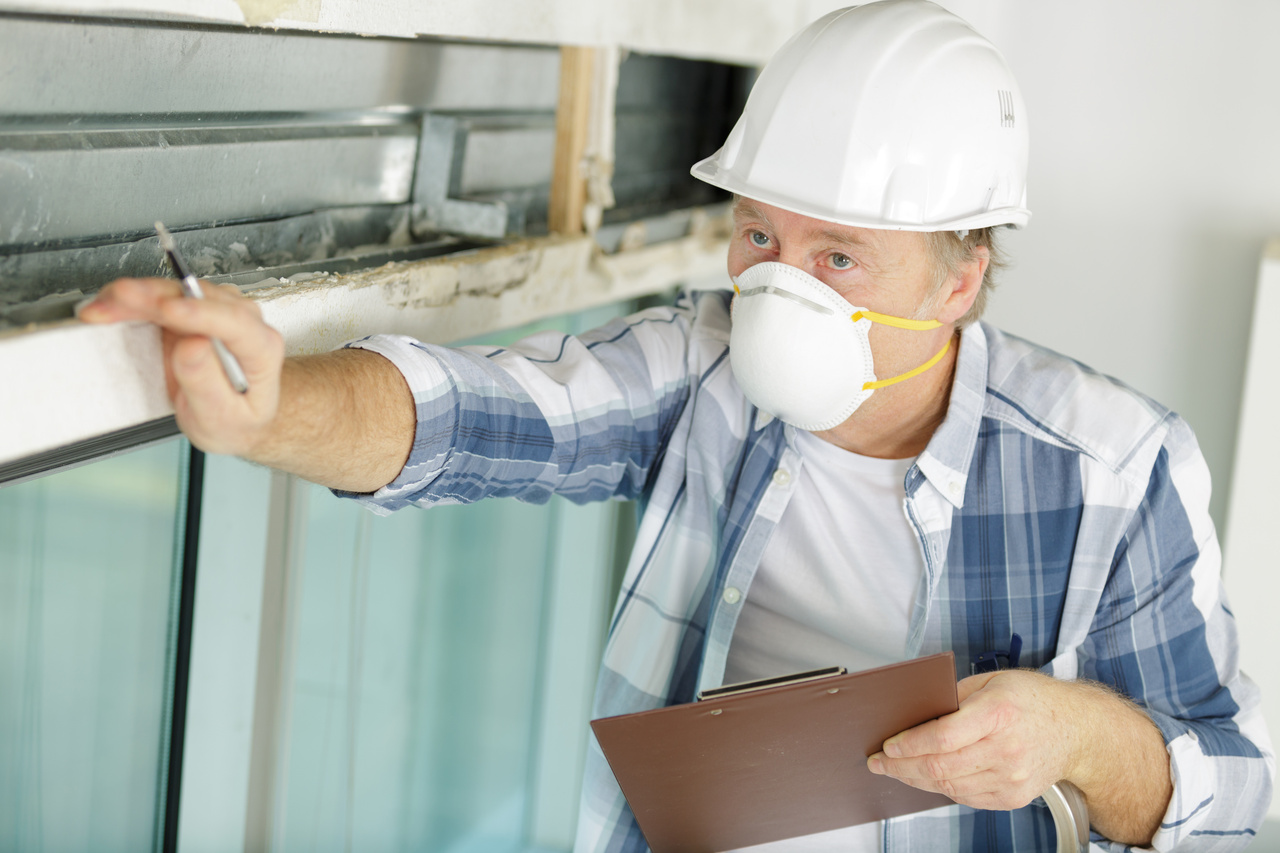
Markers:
(801, 352)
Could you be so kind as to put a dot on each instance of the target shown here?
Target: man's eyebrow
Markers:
(852, 240)
(747, 208)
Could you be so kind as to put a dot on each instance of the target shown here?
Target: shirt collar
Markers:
(945, 461)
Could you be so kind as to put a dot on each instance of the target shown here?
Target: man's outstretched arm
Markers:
(343, 419)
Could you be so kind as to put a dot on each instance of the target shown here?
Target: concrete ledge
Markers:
(70, 381)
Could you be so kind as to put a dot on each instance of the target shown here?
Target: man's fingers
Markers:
(933, 767)
(161, 301)
(236, 322)
(946, 734)
(195, 366)
(1005, 727)
(212, 414)
(130, 299)
(167, 342)
(979, 716)
(971, 685)
(985, 789)
(223, 314)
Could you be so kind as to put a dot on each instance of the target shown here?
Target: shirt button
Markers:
(732, 595)
(782, 476)
(955, 489)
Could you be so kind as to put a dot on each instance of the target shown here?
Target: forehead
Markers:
(797, 226)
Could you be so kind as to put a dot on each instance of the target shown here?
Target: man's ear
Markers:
(959, 291)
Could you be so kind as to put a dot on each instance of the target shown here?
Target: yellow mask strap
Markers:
(899, 323)
(896, 322)
(902, 323)
(871, 386)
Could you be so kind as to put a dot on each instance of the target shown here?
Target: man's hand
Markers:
(1004, 747)
(344, 419)
(212, 414)
(1018, 732)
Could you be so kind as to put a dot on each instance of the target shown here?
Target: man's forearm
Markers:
(1019, 731)
(346, 420)
(1122, 765)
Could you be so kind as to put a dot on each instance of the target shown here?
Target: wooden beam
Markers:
(568, 180)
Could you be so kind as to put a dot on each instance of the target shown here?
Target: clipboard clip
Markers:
(997, 660)
(776, 681)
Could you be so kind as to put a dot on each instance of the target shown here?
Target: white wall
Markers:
(1250, 562)
(1154, 184)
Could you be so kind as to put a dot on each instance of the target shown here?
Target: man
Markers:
(848, 469)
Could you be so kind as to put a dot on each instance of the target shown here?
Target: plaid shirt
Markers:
(1052, 501)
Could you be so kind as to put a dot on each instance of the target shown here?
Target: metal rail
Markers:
(1070, 816)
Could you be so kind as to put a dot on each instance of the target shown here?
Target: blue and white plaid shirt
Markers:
(1052, 502)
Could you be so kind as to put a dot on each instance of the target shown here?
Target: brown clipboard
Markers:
(774, 763)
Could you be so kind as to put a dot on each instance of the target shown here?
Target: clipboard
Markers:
(777, 762)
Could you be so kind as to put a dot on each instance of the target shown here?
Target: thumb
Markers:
(971, 685)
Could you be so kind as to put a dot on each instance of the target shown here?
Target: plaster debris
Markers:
(265, 11)
(466, 294)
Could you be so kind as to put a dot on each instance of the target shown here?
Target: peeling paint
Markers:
(471, 293)
(498, 275)
(438, 282)
(265, 11)
(425, 286)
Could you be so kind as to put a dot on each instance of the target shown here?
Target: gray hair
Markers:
(951, 250)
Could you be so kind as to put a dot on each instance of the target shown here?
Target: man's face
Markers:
(885, 271)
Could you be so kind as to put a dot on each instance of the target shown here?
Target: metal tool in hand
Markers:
(191, 288)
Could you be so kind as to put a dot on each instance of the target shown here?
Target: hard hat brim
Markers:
(709, 171)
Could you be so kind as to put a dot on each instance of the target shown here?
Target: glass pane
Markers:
(86, 571)
(416, 708)
(414, 678)
(217, 758)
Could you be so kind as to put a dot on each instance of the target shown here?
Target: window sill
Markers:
(72, 382)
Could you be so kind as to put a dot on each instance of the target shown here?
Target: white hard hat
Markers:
(891, 115)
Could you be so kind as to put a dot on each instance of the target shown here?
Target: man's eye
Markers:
(841, 262)
(758, 239)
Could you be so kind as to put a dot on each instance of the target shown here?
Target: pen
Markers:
(191, 289)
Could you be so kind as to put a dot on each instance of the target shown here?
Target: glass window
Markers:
(417, 651)
(87, 576)
(438, 689)
(226, 652)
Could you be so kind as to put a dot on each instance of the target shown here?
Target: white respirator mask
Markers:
(801, 352)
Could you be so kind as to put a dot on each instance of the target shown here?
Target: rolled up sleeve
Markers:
(1165, 636)
(580, 416)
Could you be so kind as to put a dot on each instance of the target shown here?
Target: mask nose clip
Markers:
(785, 294)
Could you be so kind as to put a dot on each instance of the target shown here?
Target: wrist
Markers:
(1119, 761)
(1087, 737)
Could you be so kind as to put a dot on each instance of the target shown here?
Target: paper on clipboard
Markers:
(774, 763)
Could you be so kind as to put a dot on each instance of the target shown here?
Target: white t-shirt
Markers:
(835, 586)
